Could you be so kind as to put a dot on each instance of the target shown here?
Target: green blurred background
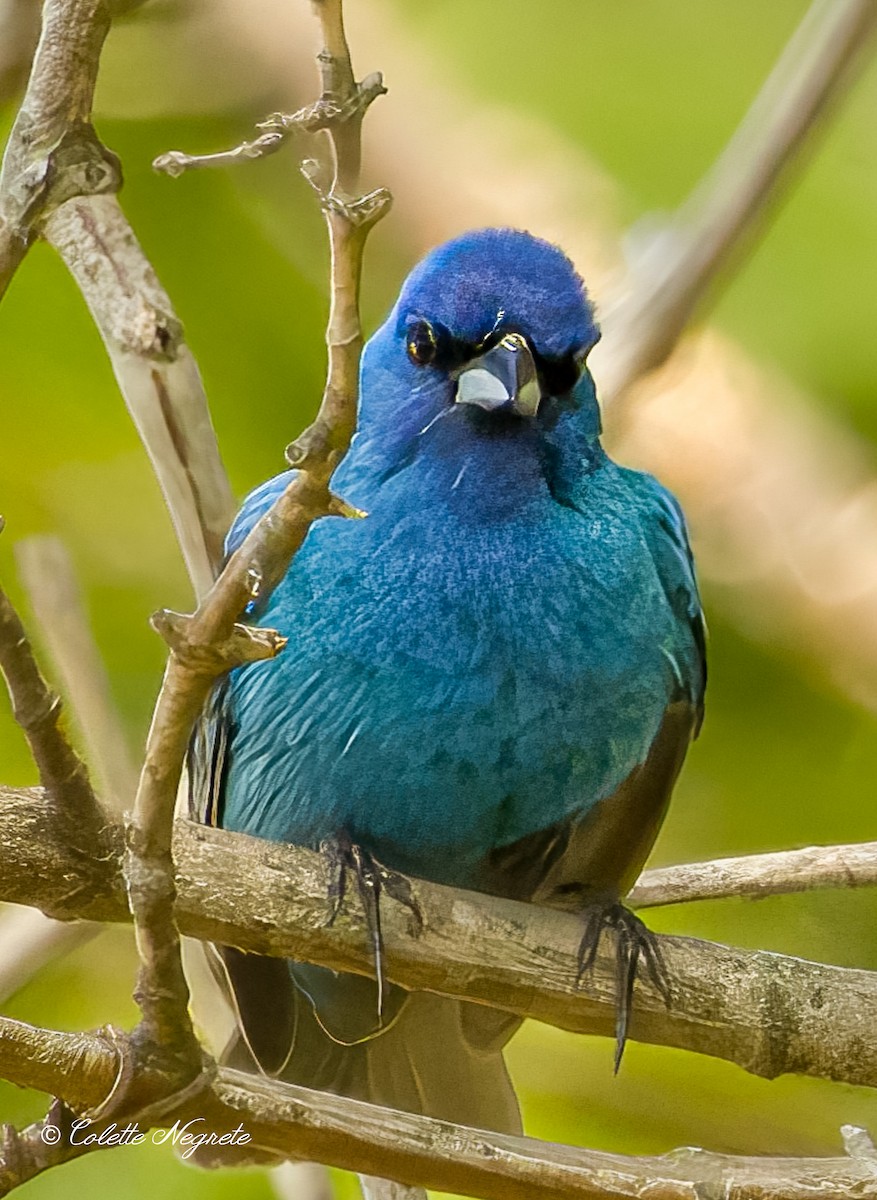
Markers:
(650, 89)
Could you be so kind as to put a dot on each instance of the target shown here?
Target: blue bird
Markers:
(490, 682)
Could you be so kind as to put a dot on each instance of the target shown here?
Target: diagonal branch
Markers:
(47, 573)
(210, 642)
(675, 268)
(38, 711)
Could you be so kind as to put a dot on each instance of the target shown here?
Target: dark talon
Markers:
(633, 940)
(372, 878)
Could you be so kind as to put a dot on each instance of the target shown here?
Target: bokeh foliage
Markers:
(651, 89)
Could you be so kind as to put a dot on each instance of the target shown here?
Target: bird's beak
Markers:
(502, 380)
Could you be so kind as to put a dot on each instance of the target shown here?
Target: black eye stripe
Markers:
(559, 375)
(429, 343)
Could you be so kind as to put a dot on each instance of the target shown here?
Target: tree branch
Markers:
(765, 1012)
(673, 269)
(756, 875)
(288, 1120)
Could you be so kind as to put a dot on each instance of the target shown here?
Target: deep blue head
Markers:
(482, 358)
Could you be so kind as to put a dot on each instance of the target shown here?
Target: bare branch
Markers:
(38, 711)
(758, 875)
(49, 579)
(673, 270)
(768, 1013)
(287, 1120)
(210, 642)
(155, 370)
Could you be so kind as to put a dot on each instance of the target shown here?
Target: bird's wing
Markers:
(601, 852)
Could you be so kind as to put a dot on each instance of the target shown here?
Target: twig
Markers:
(758, 875)
(49, 579)
(278, 1117)
(210, 642)
(327, 112)
(767, 1013)
(57, 181)
(349, 218)
(670, 273)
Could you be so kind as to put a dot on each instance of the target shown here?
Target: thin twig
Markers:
(209, 643)
(272, 1116)
(670, 273)
(759, 875)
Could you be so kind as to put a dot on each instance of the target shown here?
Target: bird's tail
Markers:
(438, 1057)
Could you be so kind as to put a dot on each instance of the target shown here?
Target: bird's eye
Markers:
(421, 343)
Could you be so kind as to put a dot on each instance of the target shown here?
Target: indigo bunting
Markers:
(491, 681)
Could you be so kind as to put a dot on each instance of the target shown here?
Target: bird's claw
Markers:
(344, 857)
(633, 941)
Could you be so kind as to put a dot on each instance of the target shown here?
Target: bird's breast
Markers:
(448, 688)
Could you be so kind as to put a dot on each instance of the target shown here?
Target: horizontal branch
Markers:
(275, 1117)
(757, 875)
(768, 1013)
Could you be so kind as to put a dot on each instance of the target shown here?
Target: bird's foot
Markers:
(633, 941)
(372, 878)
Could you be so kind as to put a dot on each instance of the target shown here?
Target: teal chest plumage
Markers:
(453, 684)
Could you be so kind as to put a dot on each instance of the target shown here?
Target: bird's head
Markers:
(483, 354)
